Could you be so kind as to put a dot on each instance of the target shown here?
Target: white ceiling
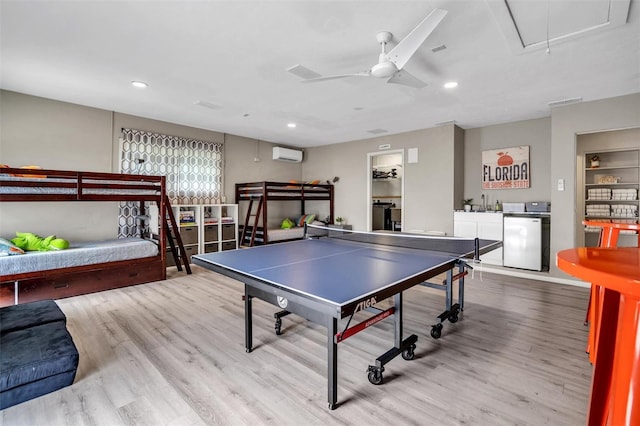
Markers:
(233, 55)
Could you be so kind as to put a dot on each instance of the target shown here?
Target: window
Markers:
(193, 170)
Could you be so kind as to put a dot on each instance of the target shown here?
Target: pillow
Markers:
(313, 182)
(305, 218)
(7, 248)
(287, 224)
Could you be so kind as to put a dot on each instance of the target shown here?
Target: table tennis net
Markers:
(454, 246)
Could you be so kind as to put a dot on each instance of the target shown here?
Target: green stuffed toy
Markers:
(32, 242)
(287, 224)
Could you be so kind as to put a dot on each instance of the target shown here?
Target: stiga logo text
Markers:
(365, 304)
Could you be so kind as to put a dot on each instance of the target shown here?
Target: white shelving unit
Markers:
(220, 227)
(188, 218)
(205, 228)
(611, 189)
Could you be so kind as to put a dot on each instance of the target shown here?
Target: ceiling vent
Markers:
(286, 154)
(564, 102)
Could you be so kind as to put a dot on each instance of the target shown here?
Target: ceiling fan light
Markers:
(450, 84)
(384, 69)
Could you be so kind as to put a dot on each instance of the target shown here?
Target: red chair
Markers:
(609, 233)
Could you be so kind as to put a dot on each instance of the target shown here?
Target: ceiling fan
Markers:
(390, 64)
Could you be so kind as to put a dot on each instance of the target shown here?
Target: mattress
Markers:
(78, 254)
(278, 234)
(5, 189)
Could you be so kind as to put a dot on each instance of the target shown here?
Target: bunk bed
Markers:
(85, 267)
(261, 194)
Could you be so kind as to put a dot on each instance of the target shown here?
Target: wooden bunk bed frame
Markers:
(265, 191)
(61, 185)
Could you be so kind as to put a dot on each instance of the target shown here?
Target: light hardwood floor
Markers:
(173, 353)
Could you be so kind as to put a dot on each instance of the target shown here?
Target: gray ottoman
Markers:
(35, 359)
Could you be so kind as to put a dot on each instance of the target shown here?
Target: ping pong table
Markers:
(330, 276)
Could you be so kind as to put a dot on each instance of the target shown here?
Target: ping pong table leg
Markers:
(451, 309)
(449, 290)
(332, 362)
(461, 268)
(248, 321)
(397, 319)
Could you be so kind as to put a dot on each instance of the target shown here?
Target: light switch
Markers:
(560, 184)
(412, 155)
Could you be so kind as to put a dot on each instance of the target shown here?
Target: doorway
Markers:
(385, 190)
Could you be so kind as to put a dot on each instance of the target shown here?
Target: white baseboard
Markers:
(532, 275)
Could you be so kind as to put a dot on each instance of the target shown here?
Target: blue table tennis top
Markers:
(332, 270)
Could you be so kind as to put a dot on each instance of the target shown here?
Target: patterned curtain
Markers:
(193, 170)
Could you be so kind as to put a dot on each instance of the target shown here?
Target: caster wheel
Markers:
(436, 331)
(332, 406)
(409, 354)
(375, 377)
(453, 317)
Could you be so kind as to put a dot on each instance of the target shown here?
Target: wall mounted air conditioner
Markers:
(286, 154)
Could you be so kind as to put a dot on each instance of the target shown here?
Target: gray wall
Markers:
(534, 133)
(59, 135)
(240, 167)
(56, 135)
(429, 184)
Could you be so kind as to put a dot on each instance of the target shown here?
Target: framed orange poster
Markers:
(506, 168)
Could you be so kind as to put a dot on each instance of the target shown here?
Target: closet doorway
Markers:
(385, 190)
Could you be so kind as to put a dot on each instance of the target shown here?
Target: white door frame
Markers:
(369, 200)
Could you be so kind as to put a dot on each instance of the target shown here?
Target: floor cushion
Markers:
(18, 317)
(35, 361)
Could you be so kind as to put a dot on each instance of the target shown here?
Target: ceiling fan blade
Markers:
(334, 77)
(303, 72)
(401, 54)
(406, 79)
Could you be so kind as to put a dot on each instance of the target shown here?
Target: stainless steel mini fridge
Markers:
(523, 242)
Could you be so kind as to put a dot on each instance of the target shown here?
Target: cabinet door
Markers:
(466, 229)
(491, 231)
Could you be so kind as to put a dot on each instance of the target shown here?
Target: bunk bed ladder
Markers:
(256, 216)
(173, 233)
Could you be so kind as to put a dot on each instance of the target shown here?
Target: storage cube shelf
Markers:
(206, 228)
(611, 190)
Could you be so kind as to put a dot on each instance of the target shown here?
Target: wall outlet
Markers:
(560, 184)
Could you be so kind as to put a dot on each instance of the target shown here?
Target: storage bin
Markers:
(229, 245)
(189, 234)
(211, 233)
(229, 231)
(211, 248)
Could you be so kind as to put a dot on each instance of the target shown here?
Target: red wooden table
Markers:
(615, 389)
(609, 233)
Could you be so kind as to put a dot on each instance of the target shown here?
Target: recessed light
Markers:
(140, 84)
(450, 84)
(291, 125)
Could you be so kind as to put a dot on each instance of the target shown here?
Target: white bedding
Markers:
(278, 234)
(78, 254)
